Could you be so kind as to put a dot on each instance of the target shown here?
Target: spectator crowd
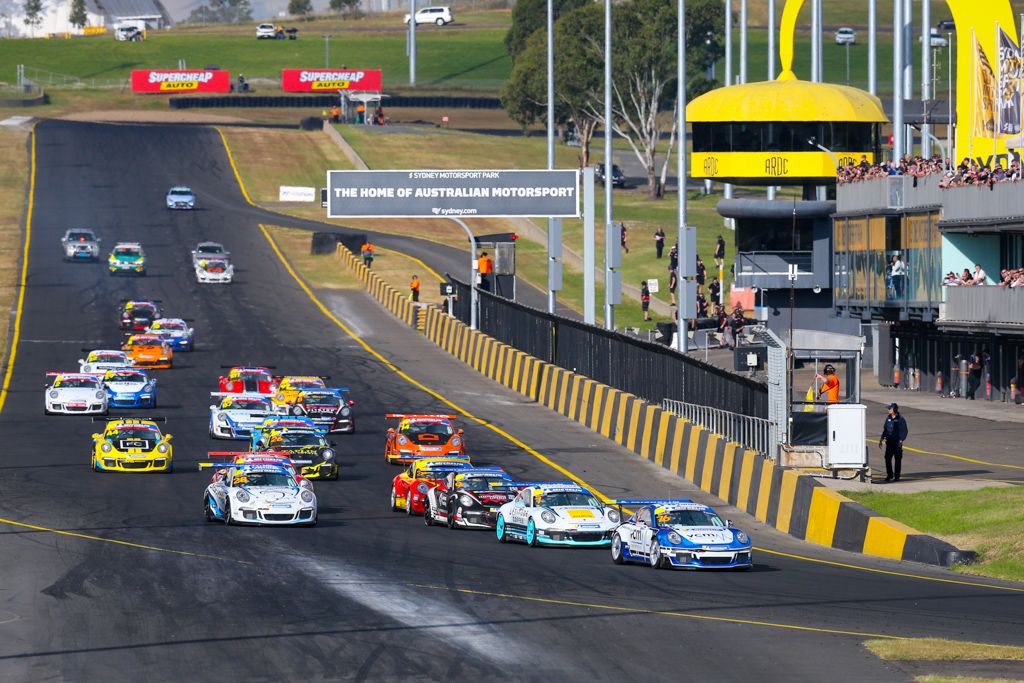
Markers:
(968, 172)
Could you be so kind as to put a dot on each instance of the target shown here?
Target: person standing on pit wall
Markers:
(899, 276)
(659, 242)
(414, 288)
(702, 272)
(645, 299)
(830, 385)
(485, 266)
(367, 253)
(894, 433)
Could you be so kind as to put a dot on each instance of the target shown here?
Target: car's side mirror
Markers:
(391, 431)
(168, 437)
(728, 523)
(213, 407)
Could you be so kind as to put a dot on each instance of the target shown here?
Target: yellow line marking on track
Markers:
(662, 613)
(962, 458)
(140, 546)
(413, 258)
(24, 271)
(890, 572)
(231, 160)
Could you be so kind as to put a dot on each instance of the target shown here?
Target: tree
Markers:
(33, 11)
(78, 16)
(529, 16)
(222, 12)
(344, 7)
(300, 8)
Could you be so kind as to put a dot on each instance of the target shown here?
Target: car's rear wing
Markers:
(241, 394)
(229, 456)
(649, 501)
(128, 418)
(403, 416)
(249, 367)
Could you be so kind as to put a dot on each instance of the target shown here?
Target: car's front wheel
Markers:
(227, 512)
(428, 519)
(531, 534)
(394, 500)
(617, 549)
(207, 510)
(499, 529)
(440, 22)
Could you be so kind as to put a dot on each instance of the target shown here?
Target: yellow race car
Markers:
(131, 444)
(289, 388)
(149, 351)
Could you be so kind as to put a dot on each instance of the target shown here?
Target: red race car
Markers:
(409, 489)
(248, 380)
(423, 435)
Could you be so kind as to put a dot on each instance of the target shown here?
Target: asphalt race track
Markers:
(368, 594)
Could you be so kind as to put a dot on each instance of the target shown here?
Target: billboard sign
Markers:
(174, 81)
(452, 194)
(331, 80)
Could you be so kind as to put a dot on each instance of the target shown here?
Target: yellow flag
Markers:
(809, 407)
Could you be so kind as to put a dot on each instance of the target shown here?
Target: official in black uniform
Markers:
(894, 433)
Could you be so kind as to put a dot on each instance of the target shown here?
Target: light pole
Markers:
(681, 338)
(872, 47)
(412, 42)
(327, 50)
(926, 75)
(847, 64)
(897, 81)
(472, 273)
(609, 277)
(554, 232)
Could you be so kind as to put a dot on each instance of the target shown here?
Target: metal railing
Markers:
(893, 192)
(988, 304)
(976, 203)
(770, 269)
(41, 77)
(751, 432)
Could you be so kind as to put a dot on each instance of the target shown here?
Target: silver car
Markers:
(210, 250)
(846, 36)
(80, 244)
(181, 197)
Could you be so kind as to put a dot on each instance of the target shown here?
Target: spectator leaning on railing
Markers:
(917, 167)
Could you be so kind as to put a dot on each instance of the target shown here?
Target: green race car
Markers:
(127, 258)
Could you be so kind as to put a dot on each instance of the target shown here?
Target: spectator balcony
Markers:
(982, 308)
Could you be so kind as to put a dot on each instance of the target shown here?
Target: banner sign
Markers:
(331, 80)
(451, 193)
(984, 84)
(175, 81)
(1009, 96)
(288, 193)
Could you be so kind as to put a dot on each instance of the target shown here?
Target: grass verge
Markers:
(322, 271)
(13, 180)
(938, 649)
(963, 679)
(987, 520)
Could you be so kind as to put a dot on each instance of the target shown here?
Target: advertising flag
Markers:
(1009, 101)
(984, 94)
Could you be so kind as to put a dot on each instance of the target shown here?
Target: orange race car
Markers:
(148, 351)
(409, 489)
(422, 435)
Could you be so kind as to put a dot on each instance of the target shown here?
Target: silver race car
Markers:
(80, 244)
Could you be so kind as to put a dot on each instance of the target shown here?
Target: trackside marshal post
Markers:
(452, 194)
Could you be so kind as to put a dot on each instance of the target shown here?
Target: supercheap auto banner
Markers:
(331, 80)
(175, 81)
(1009, 100)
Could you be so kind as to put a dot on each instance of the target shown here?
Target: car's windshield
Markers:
(74, 383)
(567, 498)
(181, 191)
(106, 358)
(209, 249)
(126, 377)
(690, 518)
(305, 384)
(215, 266)
(137, 432)
(296, 440)
(252, 376)
(80, 236)
(170, 326)
(145, 341)
(127, 251)
(437, 428)
(322, 400)
(244, 404)
(485, 483)
(263, 478)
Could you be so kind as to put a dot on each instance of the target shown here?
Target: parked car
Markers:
(846, 36)
(618, 177)
(946, 26)
(433, 15)
(936, 39)
(264, 31)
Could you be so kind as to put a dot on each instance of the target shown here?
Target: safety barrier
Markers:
(328, 101)
(752, 432)
(785, 499)
(393, 300)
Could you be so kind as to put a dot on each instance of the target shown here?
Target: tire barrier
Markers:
(792, 502)
(328, 101)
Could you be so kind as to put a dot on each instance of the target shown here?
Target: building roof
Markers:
(786, 100)
(130, 9)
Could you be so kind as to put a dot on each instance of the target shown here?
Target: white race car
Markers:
(556, 513)
(175, 332)
(236, 414)
(259, 494)
(74, 394)
(101, 360)
(214, 270)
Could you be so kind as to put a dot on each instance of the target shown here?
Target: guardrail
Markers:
(992, 305)
(977, 203)
(893, 192)
(754, 433)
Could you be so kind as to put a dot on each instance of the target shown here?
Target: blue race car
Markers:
(175, 332)
(129, 388)
(237, 414)
(682, 534)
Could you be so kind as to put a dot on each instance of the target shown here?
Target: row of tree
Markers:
(643, 62)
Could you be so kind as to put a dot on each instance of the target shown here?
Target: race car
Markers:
(278, 422)
(127, 258)
(175, 332)
(258, 494)
(131, 444)
(149, 351)
(236, 414)
(248, 379)
(328, 408)
(98, 361)
(679, 533)
(181, 197)
(290, 386)
(426, 435)
(130, 388)
(302, 444)
(409, 489)
(469, 498)
(80, 244)
(138, 314)
(214, 271)
(556, 513)
(70, 393)
(221, 460)
(210, 250)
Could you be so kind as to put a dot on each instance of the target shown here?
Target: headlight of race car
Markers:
(674, 538)
(548, 516)
(54, 394)
(148, 387)
(613, 516)
(456, 441)
(345, 412)
(161, 448)
(466, 500)
(241, 496)
(101, 394)
(280, 397)
(222, 418)
(422, 488)
(327, 454)
(307, 496)
(106, 447)
(402, 440)
(87, 368)
(742, 537)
